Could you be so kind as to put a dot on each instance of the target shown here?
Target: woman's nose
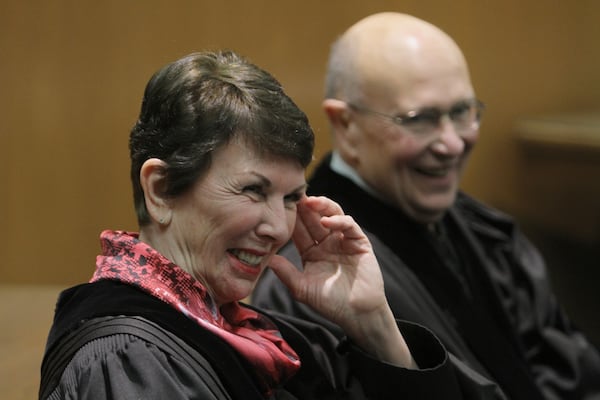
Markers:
(275, 224)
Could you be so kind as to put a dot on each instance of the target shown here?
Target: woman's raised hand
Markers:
(341, 279)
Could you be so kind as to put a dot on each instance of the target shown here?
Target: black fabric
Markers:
(56, 361)
(111, 298)
(330, 370)
(418, 306)
(488, 337)
(319, 378)
(476, 282)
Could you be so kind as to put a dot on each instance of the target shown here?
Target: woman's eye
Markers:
(254, 189)
(293, 198)
(291, 201)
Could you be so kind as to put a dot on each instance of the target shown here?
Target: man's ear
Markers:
(343, 128)
(152, 179)
(337, 112)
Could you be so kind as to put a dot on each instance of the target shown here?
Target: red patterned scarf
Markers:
(125, 258)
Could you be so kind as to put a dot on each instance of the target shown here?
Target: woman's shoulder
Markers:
(124, 366)
(93, 307)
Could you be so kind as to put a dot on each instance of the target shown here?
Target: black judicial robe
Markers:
(476, 282)
(123, 366)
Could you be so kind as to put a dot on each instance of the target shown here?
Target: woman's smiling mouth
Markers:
(246, 257)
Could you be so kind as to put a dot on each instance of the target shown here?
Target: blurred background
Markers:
(72, 74)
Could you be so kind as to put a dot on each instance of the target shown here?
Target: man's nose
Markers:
(449, 142)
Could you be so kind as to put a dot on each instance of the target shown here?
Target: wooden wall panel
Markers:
(72, 75)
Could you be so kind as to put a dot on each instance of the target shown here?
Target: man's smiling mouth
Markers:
(434, 172)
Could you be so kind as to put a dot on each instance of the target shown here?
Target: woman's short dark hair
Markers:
(197, 104)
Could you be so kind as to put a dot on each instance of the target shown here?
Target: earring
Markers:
(161, 221)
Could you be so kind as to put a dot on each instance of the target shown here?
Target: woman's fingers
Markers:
(323, 205)
(310, 230)
(286, 272)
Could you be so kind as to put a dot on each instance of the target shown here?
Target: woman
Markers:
(217, 165)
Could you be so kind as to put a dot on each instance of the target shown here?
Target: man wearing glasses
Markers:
(405, 117)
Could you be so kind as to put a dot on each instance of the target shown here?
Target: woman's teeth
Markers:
(247, 258)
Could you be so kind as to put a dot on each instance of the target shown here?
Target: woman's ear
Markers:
(344, 131)
(152, 179)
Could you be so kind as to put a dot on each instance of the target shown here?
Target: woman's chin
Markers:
(241, 291)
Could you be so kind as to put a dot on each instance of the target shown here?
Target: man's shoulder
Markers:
(482, 218)
(323, 179)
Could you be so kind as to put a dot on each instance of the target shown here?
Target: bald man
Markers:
(404, 119)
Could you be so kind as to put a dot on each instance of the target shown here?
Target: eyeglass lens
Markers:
(464, 115)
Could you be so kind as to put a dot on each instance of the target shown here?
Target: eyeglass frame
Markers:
(400, 120)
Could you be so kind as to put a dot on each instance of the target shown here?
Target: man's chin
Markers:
(434, 209)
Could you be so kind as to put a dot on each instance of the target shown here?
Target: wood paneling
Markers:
(71, 80)
(72, 75)
(26, 313)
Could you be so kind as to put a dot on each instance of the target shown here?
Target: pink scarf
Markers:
(125, 258)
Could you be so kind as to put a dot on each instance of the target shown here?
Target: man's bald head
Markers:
(388, 45)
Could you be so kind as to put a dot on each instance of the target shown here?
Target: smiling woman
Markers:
(251, 202)
(218, 157)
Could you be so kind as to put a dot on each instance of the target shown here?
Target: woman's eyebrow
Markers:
(267, 182)
(301, 188)
(263, 179)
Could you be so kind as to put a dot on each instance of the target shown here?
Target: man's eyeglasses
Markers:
(465, 116)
